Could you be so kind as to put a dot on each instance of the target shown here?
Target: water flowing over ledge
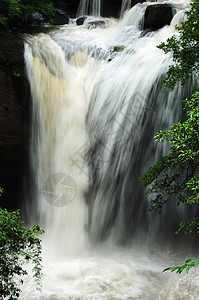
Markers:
(98, 100)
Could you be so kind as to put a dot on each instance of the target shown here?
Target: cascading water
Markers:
(89, 7)
(126, 5)
(58, 97)
(98, 100)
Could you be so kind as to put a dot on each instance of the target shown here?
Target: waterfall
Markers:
(89, 7)
(59, 110)
(122, 121)
(97, 102)
(126, 5)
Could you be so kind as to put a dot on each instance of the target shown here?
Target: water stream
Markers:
(98, 100)
(89, 7)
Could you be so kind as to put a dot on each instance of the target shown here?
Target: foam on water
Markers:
(91, 89)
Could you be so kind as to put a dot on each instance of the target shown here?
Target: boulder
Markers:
(157, 16)
(36, 19)
(80, 20)
(61, 17)
(96, 24)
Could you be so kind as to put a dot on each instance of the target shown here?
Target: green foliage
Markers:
(12, 11)
(190, 227)
(177, 173)
(17, 72)
(18, 245)
(118, 48)
(192, 262)
(176, 176)
(8, 63)
(1, 190)
(185, 48)
(2, 143)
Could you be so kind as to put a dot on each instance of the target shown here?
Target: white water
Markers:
(87, 102)
(108, 273)
(89, 7)
(126, 5)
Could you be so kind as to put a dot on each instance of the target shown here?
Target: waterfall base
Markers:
(115, 273)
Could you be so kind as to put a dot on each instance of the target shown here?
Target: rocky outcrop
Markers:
(71, 7)
(80, 20)
(60, 17)
(109, 8)
(38, 19)
(14, 117)
(11, 94)
(112, 8)
(157, 16)
(96, 24)
(10, 119)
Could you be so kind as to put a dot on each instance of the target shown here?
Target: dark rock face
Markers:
(134, 2)
(111, 8)
(157, 16)
(10, 119)
(71, 7)
(60, 18)
(80, 20)
(11, 94)
(36, 19)
(14, 118)
(13, 144)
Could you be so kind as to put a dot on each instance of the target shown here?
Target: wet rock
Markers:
(134, 2)
(61, 17)
(36, 19)
(157, 16)
(146, 32)
(80, 20)
(96, 24)
(14, 117)
(11, 94)
(10, 119)
(110, 8)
